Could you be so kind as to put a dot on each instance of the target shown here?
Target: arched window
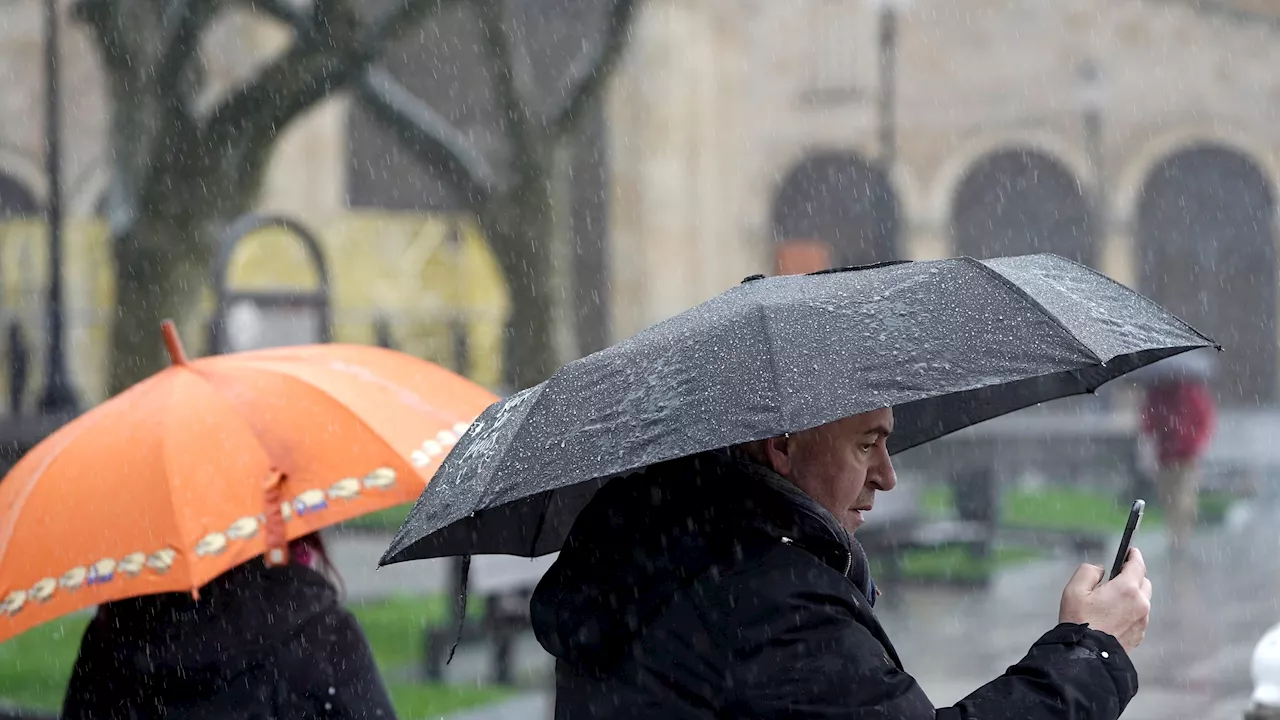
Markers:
(839, 200)
(1206, 251)
(1018, 201)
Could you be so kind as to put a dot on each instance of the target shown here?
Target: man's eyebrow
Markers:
(880, 429)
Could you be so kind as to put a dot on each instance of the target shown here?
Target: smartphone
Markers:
(1130, 527)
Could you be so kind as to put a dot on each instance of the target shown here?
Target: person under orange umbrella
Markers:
(261, 641)
(200, 488)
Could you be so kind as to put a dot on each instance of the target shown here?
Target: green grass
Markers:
(1071, 509)
(35, 666)
(395, 626)
(955, 562)
(388, 520)
(1051, 508)
(1068, 509)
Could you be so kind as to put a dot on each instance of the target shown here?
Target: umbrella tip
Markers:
(173, 343)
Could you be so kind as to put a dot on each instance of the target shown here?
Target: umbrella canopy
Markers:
(1194, 365)
(211, 462)
(946, 343)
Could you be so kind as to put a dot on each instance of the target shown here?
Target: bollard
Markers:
(1265, 703)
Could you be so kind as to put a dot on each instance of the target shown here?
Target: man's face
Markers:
(840, 464)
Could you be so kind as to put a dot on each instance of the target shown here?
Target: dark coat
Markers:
(711, 588)
(260, 643)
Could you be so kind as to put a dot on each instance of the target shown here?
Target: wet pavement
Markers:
(1209, 610)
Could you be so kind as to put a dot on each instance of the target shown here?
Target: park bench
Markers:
(899, 523)
(506, 584)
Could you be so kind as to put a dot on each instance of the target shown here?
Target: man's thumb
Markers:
(1086, 578)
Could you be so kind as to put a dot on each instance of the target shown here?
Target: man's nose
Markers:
(882, 477)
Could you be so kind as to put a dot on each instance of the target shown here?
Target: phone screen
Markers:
(1130, 527)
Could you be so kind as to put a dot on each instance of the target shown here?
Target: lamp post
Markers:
(58, 397)
(1092, 97)
(886, 101)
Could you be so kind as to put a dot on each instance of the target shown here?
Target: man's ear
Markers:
(777, 451)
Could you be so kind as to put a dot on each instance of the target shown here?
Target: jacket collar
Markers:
(788, 514)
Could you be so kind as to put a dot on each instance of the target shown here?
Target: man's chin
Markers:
(853, 520)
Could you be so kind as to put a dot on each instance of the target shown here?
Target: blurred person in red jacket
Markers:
(1178, 417)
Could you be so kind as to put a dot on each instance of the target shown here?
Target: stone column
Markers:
(672, 185)
(925, 240)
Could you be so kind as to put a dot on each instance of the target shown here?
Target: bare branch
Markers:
(428, 134)
(307, 73)
(590, 70)
(520, 65)
(183, 22)
(102, 18)
(516, 116)
(406, 14)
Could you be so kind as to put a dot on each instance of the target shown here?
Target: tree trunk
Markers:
(518, 227)
(161, 266)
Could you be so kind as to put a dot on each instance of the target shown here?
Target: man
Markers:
(728, 585)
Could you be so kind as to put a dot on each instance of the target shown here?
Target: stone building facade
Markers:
(1138, 136)
(739, 126)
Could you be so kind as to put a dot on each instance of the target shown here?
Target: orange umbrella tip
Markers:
(173, 343)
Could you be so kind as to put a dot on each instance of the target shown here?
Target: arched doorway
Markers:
(1019, 201)
(1206, 251)
(841, 201)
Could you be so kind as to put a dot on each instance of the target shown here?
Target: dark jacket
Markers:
(260, 643)
(711, 588)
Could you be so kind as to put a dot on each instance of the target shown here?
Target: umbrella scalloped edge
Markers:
(99, 573)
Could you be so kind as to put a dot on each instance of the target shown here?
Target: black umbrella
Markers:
(947, 343)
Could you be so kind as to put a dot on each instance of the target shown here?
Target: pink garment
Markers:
(1181, 417)
(303, 554)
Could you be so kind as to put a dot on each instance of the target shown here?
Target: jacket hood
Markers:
(644, 538)
(239, 617)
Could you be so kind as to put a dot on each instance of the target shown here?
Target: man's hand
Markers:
(1120, 607)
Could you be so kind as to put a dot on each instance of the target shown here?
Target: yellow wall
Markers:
(396, 264)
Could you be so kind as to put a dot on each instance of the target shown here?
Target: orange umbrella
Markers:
(215, 461)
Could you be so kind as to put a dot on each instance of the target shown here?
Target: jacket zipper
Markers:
(848, 563)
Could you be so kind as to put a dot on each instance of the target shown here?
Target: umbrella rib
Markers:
(1035, 304)
(772, 348)
(1175, 318)
(323, 393)
(194, 580)
(273, 365)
